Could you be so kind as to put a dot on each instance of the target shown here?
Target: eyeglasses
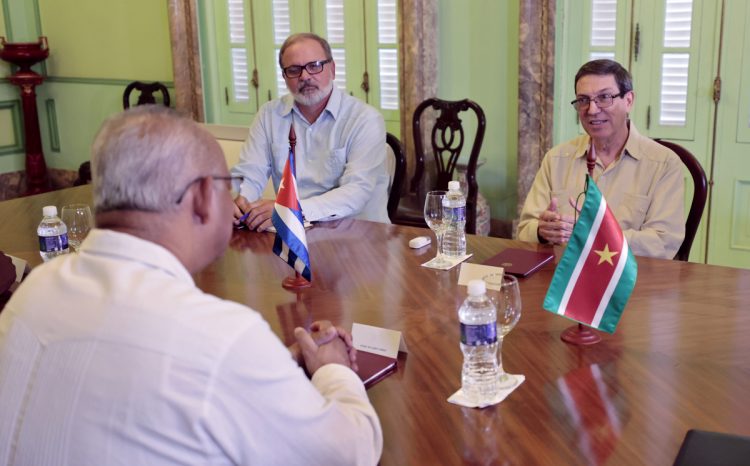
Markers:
(601, 101)
(314, 67)
(230, 179)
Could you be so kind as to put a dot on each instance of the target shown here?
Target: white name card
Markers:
(377, 340)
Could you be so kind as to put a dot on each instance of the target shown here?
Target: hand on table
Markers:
(325, 344)
(258, 213)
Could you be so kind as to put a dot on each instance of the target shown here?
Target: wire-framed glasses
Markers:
(314, 67)
(230, 179)
(601, 101)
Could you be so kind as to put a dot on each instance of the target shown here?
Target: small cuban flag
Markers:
(597, 272)
(290, 243)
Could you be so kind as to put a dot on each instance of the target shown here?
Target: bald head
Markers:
(143, 157)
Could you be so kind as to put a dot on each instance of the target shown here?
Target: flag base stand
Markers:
(580, 335)
(295, 283)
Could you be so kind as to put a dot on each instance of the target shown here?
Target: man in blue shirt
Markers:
(340, 151)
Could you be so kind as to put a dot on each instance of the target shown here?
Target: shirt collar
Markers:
(131, 248)
(633, 146)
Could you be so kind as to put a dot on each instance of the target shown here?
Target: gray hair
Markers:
(294, 38)
(143, 157)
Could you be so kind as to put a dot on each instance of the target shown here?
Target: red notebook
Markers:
(520, 262)
(374, 367)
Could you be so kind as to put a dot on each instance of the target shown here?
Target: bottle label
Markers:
(476, 335)
(53, 243)
(459, 213)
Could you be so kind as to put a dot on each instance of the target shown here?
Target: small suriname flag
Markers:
(597, 272)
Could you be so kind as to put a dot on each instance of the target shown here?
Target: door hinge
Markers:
(269, 95)
(717, 89)
(254, 80)
(648, 118)
(637, 41)
(365, 82)
(226, 95)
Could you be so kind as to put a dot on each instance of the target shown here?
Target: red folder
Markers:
(374, 367)
(520, 262)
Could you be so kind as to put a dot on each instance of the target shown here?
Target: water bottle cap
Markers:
(454, 186)
(49, 211)
(477, 288)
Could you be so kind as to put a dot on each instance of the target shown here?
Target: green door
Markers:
(729, 234)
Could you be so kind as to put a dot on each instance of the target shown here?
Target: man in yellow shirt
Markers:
(641, 179)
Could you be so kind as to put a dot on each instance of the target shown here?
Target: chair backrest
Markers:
(397, 170)
(447, 140)
(146, 96)
(700, 193)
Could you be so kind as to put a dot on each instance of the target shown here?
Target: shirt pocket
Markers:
(335, 162)
(632, 212)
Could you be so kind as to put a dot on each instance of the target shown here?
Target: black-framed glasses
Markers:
(314, 67)
(601, 101)
(230, 179)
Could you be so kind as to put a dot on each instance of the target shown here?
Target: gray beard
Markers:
(312, 99)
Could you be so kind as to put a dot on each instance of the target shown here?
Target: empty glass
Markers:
(78, 219)
(503, 290)
(433, 215)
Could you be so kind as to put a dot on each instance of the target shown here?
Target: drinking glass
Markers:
(433, 215)
(503, 290)
(77, 217)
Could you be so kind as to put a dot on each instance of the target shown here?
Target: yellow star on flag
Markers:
(605, 255)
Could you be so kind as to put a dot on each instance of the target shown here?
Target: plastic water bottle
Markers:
(478, 318)
(53, 234)
(454, 212)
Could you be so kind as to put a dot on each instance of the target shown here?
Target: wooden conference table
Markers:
(680, 358)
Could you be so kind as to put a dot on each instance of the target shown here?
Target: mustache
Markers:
(306, 85)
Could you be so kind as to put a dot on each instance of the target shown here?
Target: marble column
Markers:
(418, 68)
(535, 89)
(183, 28)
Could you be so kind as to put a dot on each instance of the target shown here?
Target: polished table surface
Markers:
(680, 358)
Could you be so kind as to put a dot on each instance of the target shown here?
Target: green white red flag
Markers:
(597, 272)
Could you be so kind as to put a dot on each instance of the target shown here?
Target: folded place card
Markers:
(377, 350)
(471, 272)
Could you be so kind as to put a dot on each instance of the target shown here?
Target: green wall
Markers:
(96, 48)
(478, 59)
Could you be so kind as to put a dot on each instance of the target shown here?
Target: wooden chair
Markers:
(146, 96)
(446, 142)
(700, 193)
(398, 172)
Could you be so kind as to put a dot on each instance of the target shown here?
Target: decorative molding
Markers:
(6, 20)
(102, 81)
(14, 106)
(228, 132)
(740, 223)
(536, 90)
(54, 134)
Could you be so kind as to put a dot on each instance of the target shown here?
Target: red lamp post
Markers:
(24, 55)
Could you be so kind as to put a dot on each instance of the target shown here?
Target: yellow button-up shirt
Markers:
(644, 188)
